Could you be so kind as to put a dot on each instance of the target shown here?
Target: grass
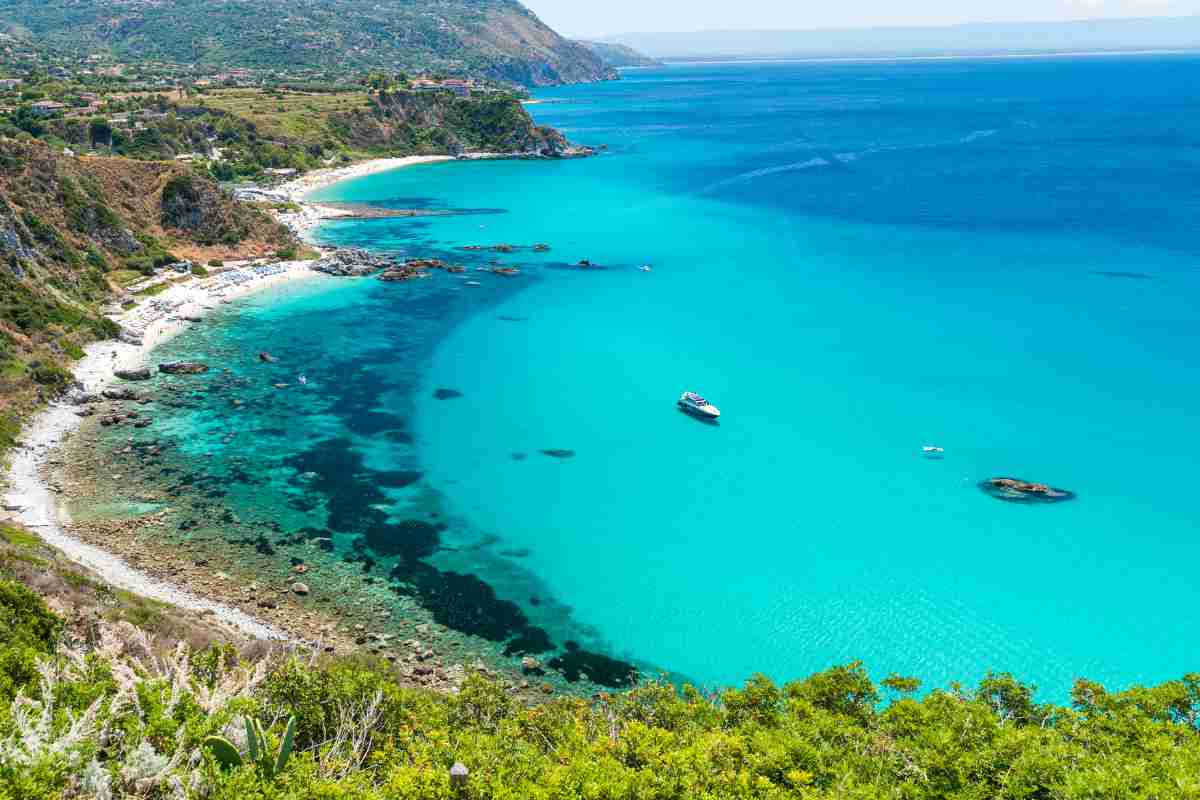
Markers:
(151, 291)
(141, 611)
(18, 537)
(125, 277)
(294, 115)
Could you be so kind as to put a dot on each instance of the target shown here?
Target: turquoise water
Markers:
(852, 261)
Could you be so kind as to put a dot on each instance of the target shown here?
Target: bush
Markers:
(27, 631)
(46, 373)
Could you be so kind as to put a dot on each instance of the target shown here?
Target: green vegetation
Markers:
(345, 729)
(260, 750)
(65, 225)
(499, 38)
(28, 631)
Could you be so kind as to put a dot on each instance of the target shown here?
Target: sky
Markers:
(580, 19)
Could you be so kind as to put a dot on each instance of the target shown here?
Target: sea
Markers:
(854, 261)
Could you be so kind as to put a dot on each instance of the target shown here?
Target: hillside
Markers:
(72, 231)
(619, 56)
(392, 123)
(496, 38)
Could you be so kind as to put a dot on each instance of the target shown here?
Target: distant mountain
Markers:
(619, 55)
(497, 38)
(1034, 37)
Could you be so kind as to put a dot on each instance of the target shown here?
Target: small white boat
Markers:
(474, 283)
(303, 380)
(933, 451)
(644, 268)
(697, 406)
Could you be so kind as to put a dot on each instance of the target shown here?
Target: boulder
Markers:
(120, 394)
(300, 589)
(183, 368)
(78, 396)
(350, 262)
(133, 374)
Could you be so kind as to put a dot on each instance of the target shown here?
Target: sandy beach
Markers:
(32, 500)
(311, 215)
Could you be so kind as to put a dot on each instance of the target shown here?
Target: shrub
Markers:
(27, 631)
(46, 373)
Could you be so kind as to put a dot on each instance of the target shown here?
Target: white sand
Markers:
(155, 320)
(313, 214)
(38, 506)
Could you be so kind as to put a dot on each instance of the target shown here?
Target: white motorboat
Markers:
(696, 405)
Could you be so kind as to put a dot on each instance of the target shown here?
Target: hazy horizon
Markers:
(623, 17)
(965, 39)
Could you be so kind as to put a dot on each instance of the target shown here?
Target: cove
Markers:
(853, 261)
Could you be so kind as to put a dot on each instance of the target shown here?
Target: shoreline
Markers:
(31, 497)
(311, 215)
(34, 501)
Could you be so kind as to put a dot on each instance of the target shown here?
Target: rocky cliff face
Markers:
(69, 226)
(412, 122)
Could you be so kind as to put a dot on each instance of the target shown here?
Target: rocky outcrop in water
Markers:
(183, 368)
(120, 394)
(351, 263)
(133, 374)
(1015, 490)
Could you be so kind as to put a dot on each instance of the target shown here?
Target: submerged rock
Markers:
(447, 394)
(578, 664)
(1015, 490)
(183, 368)
(559, 453)
(120, 394)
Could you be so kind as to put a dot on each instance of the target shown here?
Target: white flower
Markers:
(144, 763)
(96, 781)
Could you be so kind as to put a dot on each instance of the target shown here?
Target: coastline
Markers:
(311, 215)
(32, 500)
(39, 486)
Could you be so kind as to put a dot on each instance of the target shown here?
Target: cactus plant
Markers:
(258, 747)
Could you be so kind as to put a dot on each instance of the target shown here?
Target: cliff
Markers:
(410, 123)
(73, 230)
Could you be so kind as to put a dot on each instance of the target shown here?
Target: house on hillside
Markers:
(48, 108)
(7, 84)
(457, 86)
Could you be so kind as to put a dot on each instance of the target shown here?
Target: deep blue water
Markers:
(852, 260)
